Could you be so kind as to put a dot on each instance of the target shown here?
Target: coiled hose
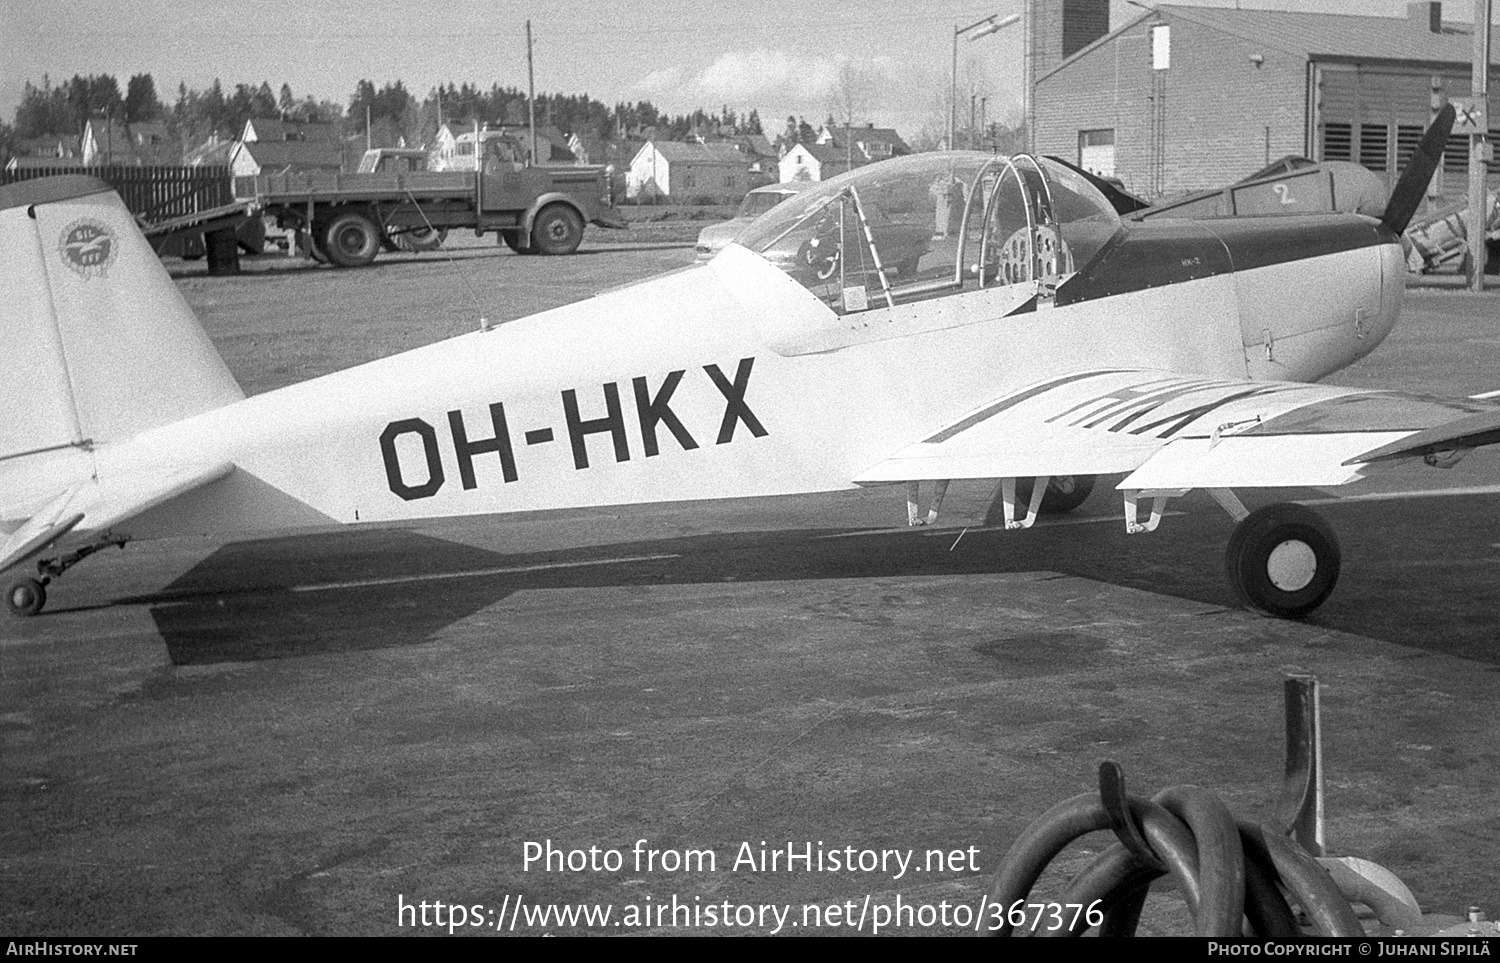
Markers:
(1228, 871)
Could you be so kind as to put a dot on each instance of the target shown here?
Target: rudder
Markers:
(100, 344)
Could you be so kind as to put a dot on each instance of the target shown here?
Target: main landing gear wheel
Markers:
(1064, 493)
(1282, 561)
(26, 597)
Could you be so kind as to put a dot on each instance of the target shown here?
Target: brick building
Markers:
(1185, 98)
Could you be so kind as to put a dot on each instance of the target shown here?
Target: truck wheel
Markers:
(422, 239)
(512, 240)
(308, 245)
(352, 240)
(557, 230)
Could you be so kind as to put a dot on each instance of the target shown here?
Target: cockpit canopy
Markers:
(935, 224)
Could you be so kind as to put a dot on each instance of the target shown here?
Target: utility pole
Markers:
(1479, 147)
(531, 91)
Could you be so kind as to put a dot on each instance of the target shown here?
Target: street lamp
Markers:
(981, 28)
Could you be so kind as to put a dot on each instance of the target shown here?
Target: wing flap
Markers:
(1172, 431)
(1250, 461)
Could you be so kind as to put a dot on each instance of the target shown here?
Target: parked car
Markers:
(712, 239)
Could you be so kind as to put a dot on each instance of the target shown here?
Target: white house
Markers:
(253, 157)
(869, 143)
(719, 172)
(814, 162)
(274, 130)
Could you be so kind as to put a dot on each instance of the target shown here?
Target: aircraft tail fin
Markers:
(99, 343)
(1410, 189)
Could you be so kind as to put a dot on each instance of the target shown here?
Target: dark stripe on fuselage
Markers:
(1155, 253)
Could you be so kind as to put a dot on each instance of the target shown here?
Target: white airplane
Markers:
(930, 318)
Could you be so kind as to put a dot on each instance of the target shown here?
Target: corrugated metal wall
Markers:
(1374, 115)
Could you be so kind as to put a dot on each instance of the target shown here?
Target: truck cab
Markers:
(394, 160)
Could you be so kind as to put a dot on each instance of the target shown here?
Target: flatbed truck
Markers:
(395, 202)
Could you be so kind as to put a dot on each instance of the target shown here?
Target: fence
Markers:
(151, 193)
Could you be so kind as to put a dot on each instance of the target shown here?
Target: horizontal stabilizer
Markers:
(98, 505)
(41, 530)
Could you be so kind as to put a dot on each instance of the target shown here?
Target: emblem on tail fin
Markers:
(88, 247)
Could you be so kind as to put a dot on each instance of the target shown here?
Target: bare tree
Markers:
(974, 85)
(853, 93)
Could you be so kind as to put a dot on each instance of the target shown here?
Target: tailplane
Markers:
(99, 344)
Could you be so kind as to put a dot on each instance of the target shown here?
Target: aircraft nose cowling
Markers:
(1392, 290)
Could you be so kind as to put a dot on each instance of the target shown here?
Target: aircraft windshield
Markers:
(757, 203)
(935, 224)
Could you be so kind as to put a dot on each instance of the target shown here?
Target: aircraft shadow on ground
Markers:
(1404, 581)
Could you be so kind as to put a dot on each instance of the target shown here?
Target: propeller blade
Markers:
(1412, 186)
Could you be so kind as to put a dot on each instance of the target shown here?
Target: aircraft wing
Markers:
(1171, 431)
(99, 503)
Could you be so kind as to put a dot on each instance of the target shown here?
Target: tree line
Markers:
(387, 112)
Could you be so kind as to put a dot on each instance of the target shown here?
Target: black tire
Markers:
(422, 239)
(351, 240)
(307, 242)
(1282, 561)
(513, 240)
(1064, 493)
(26, 597)
(557, 230)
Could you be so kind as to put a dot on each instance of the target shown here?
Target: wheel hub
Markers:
(1292, 565)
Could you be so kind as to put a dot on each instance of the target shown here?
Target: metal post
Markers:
(990, 25)
(1028, 78)
(1300, 810)
(531, 91)
(953, 91)
(1479, 147)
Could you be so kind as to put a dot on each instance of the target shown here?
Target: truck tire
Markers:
(352, 240)
(557, 230)
(422, 239)
(513, 241)
(308, 244)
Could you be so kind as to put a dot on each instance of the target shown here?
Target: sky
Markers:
(779, 58)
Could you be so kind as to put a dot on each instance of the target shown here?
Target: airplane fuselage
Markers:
(728, 379)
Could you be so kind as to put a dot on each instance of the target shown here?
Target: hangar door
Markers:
(1375, 116)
